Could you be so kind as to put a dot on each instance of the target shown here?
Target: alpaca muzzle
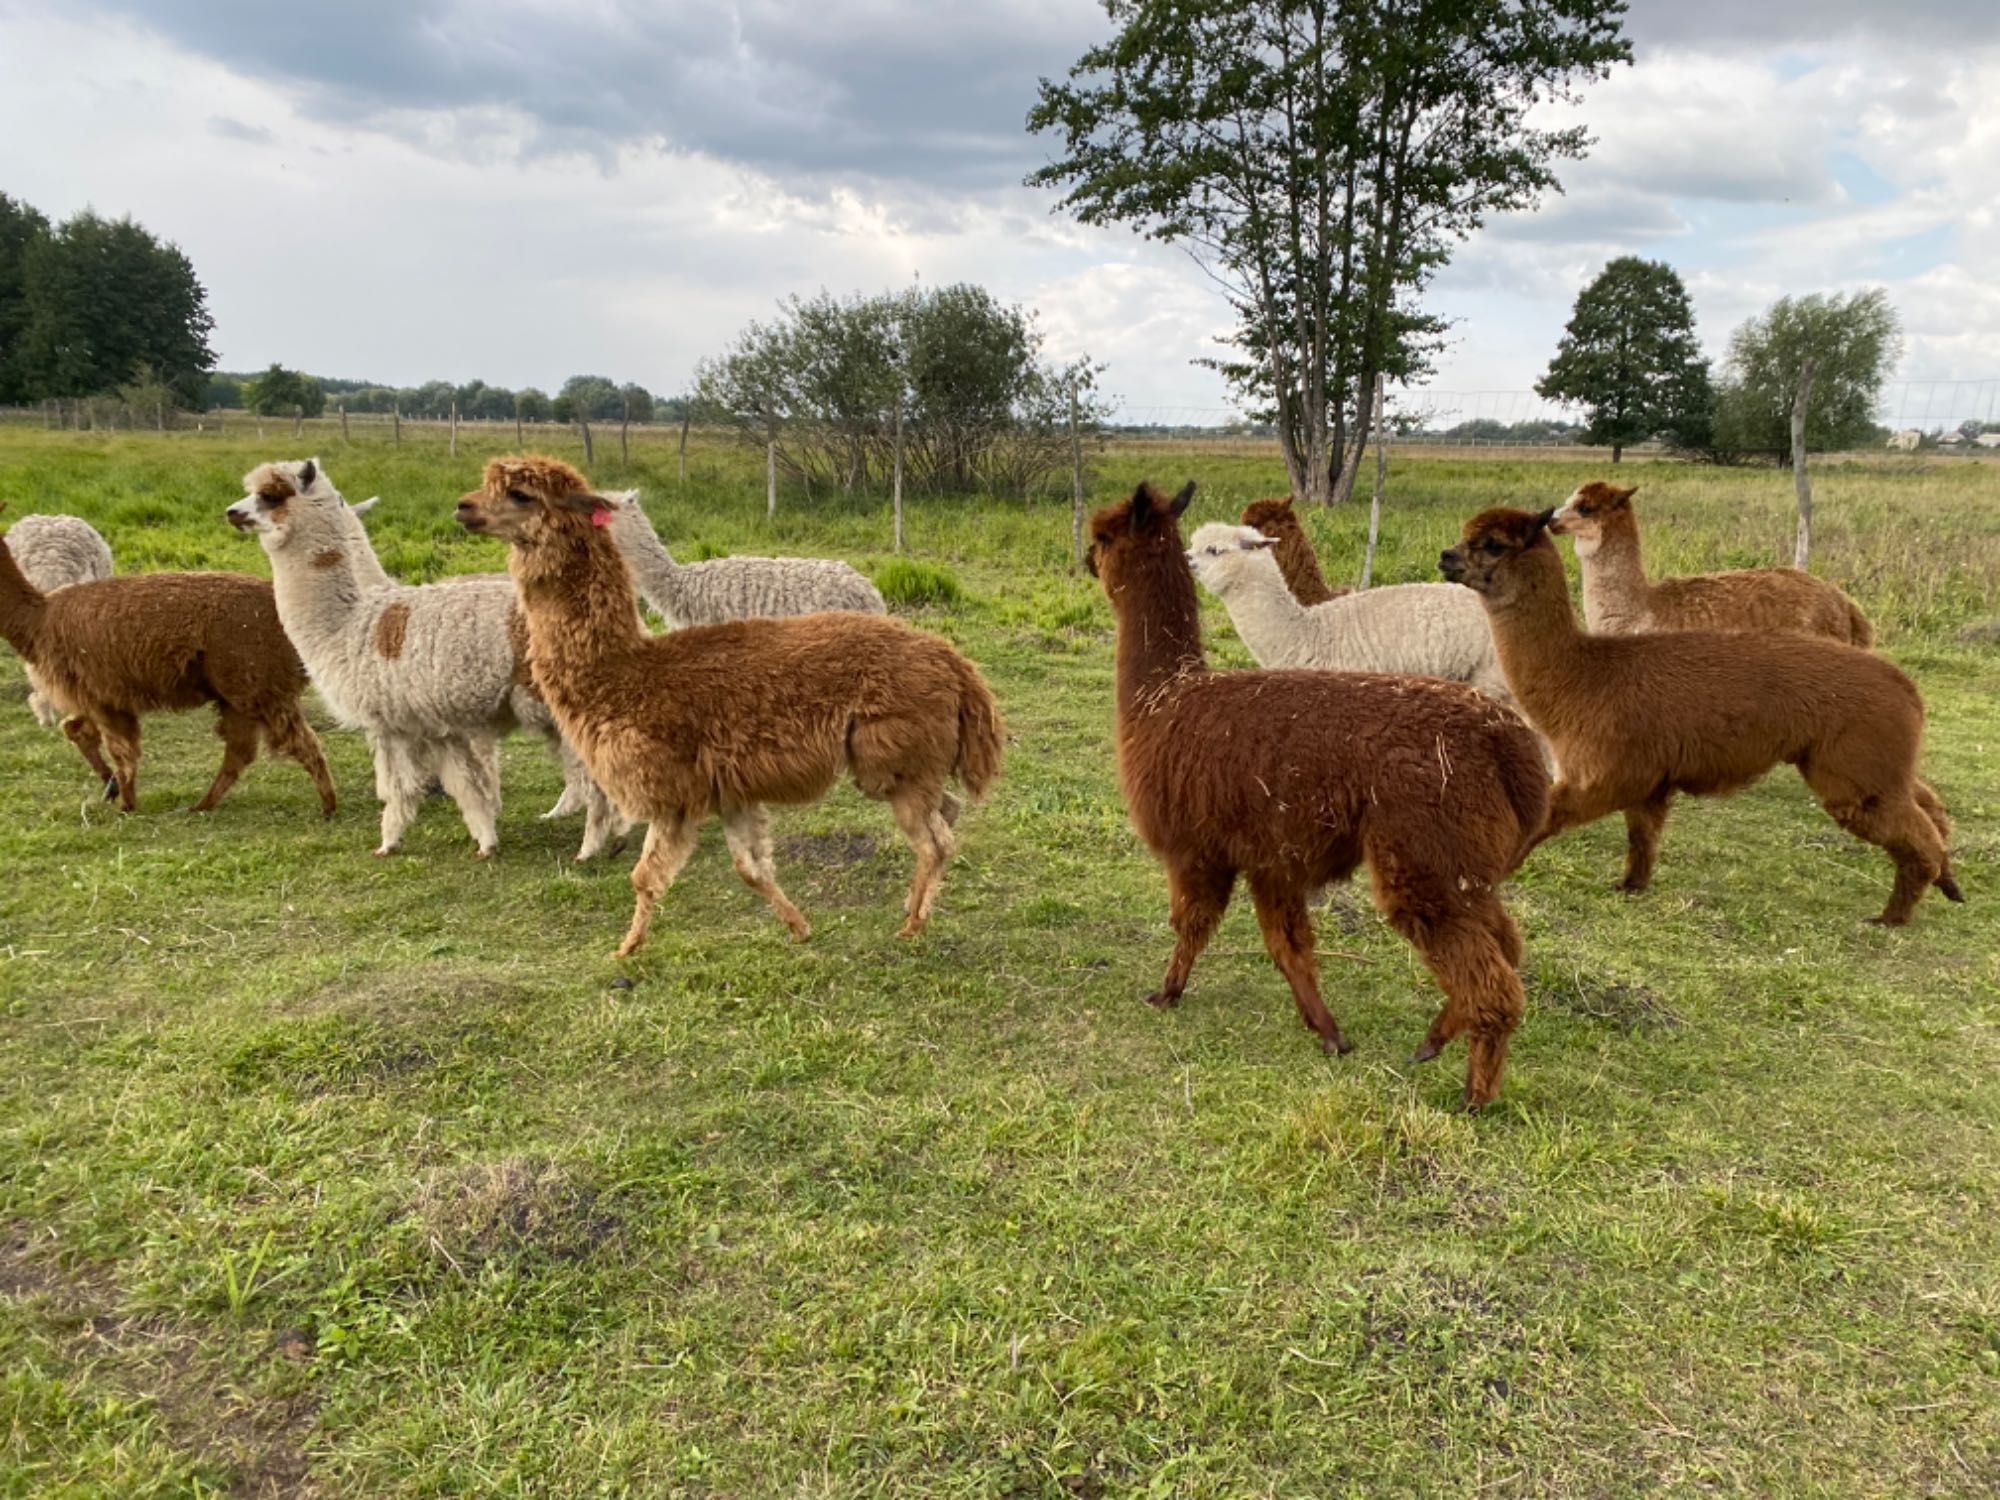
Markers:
(239, 517)
(1451, 563)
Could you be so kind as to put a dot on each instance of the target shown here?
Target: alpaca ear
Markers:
(1287, 506)
(1626, 494)
(1541, 524)
(1258, 543)
(362, 507)
(1183, 500)
(308, 472)
(1142, 501)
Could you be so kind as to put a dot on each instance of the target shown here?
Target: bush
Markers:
(916, 584)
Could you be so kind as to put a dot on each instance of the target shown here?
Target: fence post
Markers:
(160, 416)
(298, 421)
(771, 479)
(624, 435)
(589, 450)
(897, 488)
(1075, 481)
(454, 429)
(1381, 474)
(687, 416)
(343, 423)
(1800, 479)
(396, 410)
(519, 444)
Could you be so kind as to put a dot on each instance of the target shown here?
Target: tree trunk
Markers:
(771, 479)
(589, 448)
(1350, 467)
(1381, 477)
(897, 482)
(1075, 481)
(1800, 479)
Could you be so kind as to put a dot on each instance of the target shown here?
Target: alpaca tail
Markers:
(1524, 779)
(980, 731)
(1859, 631)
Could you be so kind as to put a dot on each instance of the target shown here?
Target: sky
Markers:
(522, 190)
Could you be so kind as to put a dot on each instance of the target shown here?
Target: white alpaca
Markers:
(434, 675)
(1413, 629)
(732, 588)
(54, 552)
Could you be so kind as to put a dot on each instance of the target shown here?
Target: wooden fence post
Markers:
(624, 435)
(589, 450)
(1381, 474)
(687, 416)
(343, 422)
(518, 442)
(1800, 479)
(454, 429)
(160, 415)
(1075, 481)
(771, 479)
(396, 410)
(897, 488)
(298, 421)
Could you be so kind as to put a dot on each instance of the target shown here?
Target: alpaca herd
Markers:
(1409, 727)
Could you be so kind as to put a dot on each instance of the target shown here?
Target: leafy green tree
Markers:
(531, 405)
(593, 398)
(1630, 358)
(21, 226)
(225, 392)
(279, 392)
(638, 402)
(104, 298)
(1856, 341)
(1321, 159)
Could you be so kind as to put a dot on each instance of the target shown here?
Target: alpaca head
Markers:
(1274, 517)
(534, 502)
(1590, 512)
(288, 502)
(1225, 557)
(1502, 554)
(1146, 526)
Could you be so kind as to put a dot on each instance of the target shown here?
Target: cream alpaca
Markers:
(433, 675)
(54, 552)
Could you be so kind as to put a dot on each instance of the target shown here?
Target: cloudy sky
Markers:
(520, 190)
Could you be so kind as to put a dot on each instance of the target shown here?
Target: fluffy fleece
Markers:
(1619, 600)
(110, 650)
(434, 675)
(1417, 629)
(1277, 519)
(53, 552)
(731, 588)
(727, 718)
(1292, 779)
(1636, 718)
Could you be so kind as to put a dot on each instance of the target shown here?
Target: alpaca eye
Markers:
(519, 498)
(1495, 548)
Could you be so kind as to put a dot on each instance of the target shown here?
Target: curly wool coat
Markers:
(54, 552)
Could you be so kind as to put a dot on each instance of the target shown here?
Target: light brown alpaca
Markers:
(1276, 518)
(112, 649)
(1636, 718)
(1292, 779)
(727, 718)
(1618, 599)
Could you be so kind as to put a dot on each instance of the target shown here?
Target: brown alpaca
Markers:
(1618, 600)
(113, 649)
(1295, 556)
(727, 718)
(1636, 718)
(1293, 778)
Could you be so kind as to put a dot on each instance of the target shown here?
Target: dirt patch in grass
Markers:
(837, 851)
(431, 994)
(1981, 633)
(512, 1208)
(1630, 1007)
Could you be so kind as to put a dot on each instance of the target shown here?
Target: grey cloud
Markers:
(1739, 25)
(236, 130)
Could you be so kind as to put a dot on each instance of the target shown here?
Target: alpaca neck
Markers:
(1536, 637)
(1615, 591)
(1263, 610)
(1159, 627)
(577, 597)
(22, 607)
(319, 590)
(653, 568)
(1300, 565)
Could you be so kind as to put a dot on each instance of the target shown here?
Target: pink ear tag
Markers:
(600, 516)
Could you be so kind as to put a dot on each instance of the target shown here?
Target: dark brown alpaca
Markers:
(1294, 553)
(1294, 778)
(1636, 718)
(727, 718)
(109, 651)
(1618, 599)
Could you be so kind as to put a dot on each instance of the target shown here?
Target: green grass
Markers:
(371, 1177)
(909, 584)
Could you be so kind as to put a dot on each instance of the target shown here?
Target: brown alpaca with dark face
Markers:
(110, 651)
(1618, 599)
(727, 718)
(1294, 778)
(1294, 552)
(1636, 718)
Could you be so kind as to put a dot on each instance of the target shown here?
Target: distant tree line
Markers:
(278, 391)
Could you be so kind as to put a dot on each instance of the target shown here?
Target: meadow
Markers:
(328, 1174)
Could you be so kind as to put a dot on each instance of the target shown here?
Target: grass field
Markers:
(320, 1173)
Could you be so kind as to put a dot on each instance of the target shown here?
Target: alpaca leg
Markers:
(748, 832)
(949, 808)
(604, 824)
(402, 774)
(288, 734)
(1934, 810)
(470, 771)
(1897, 824)
(1643, 823)
(1198, 896)
(238, 732)
(1483, 995)
(669, 842)
(1288, 938)
(121, 744)
(39, 702)
(83, 734)
(575, 796)
(1506, 934)
(921, 817)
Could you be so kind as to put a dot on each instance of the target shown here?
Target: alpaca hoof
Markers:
(111, 789)
(486, 853)
(384, 852)
(1338, 1044)
(1948, 888)
(1161, 1000)
(1471, 1105)
(908, 930)
(804, 930)
(1427, 1051)
(1630, 887)
(627, 948)
(1889, 919)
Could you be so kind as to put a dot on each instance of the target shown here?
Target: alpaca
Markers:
(1293, 778)
(1618, 599)
(731, 588)
(112, 649)
(1415, 629)
(1637, 718)
(433, 675)
(1296, 558)
(727, 718)
(52, 553)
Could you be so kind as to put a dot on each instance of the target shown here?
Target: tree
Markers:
(1630, 358)
(592, 398)
(102, 298)
(224, 392)
(638, 402)
(279, 392)
(531, 405)
(21, 226)
(1320, 159)
(1855, 341)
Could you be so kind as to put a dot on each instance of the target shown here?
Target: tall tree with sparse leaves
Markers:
(1630, 359)
(1855, 341)
(1320, 159)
